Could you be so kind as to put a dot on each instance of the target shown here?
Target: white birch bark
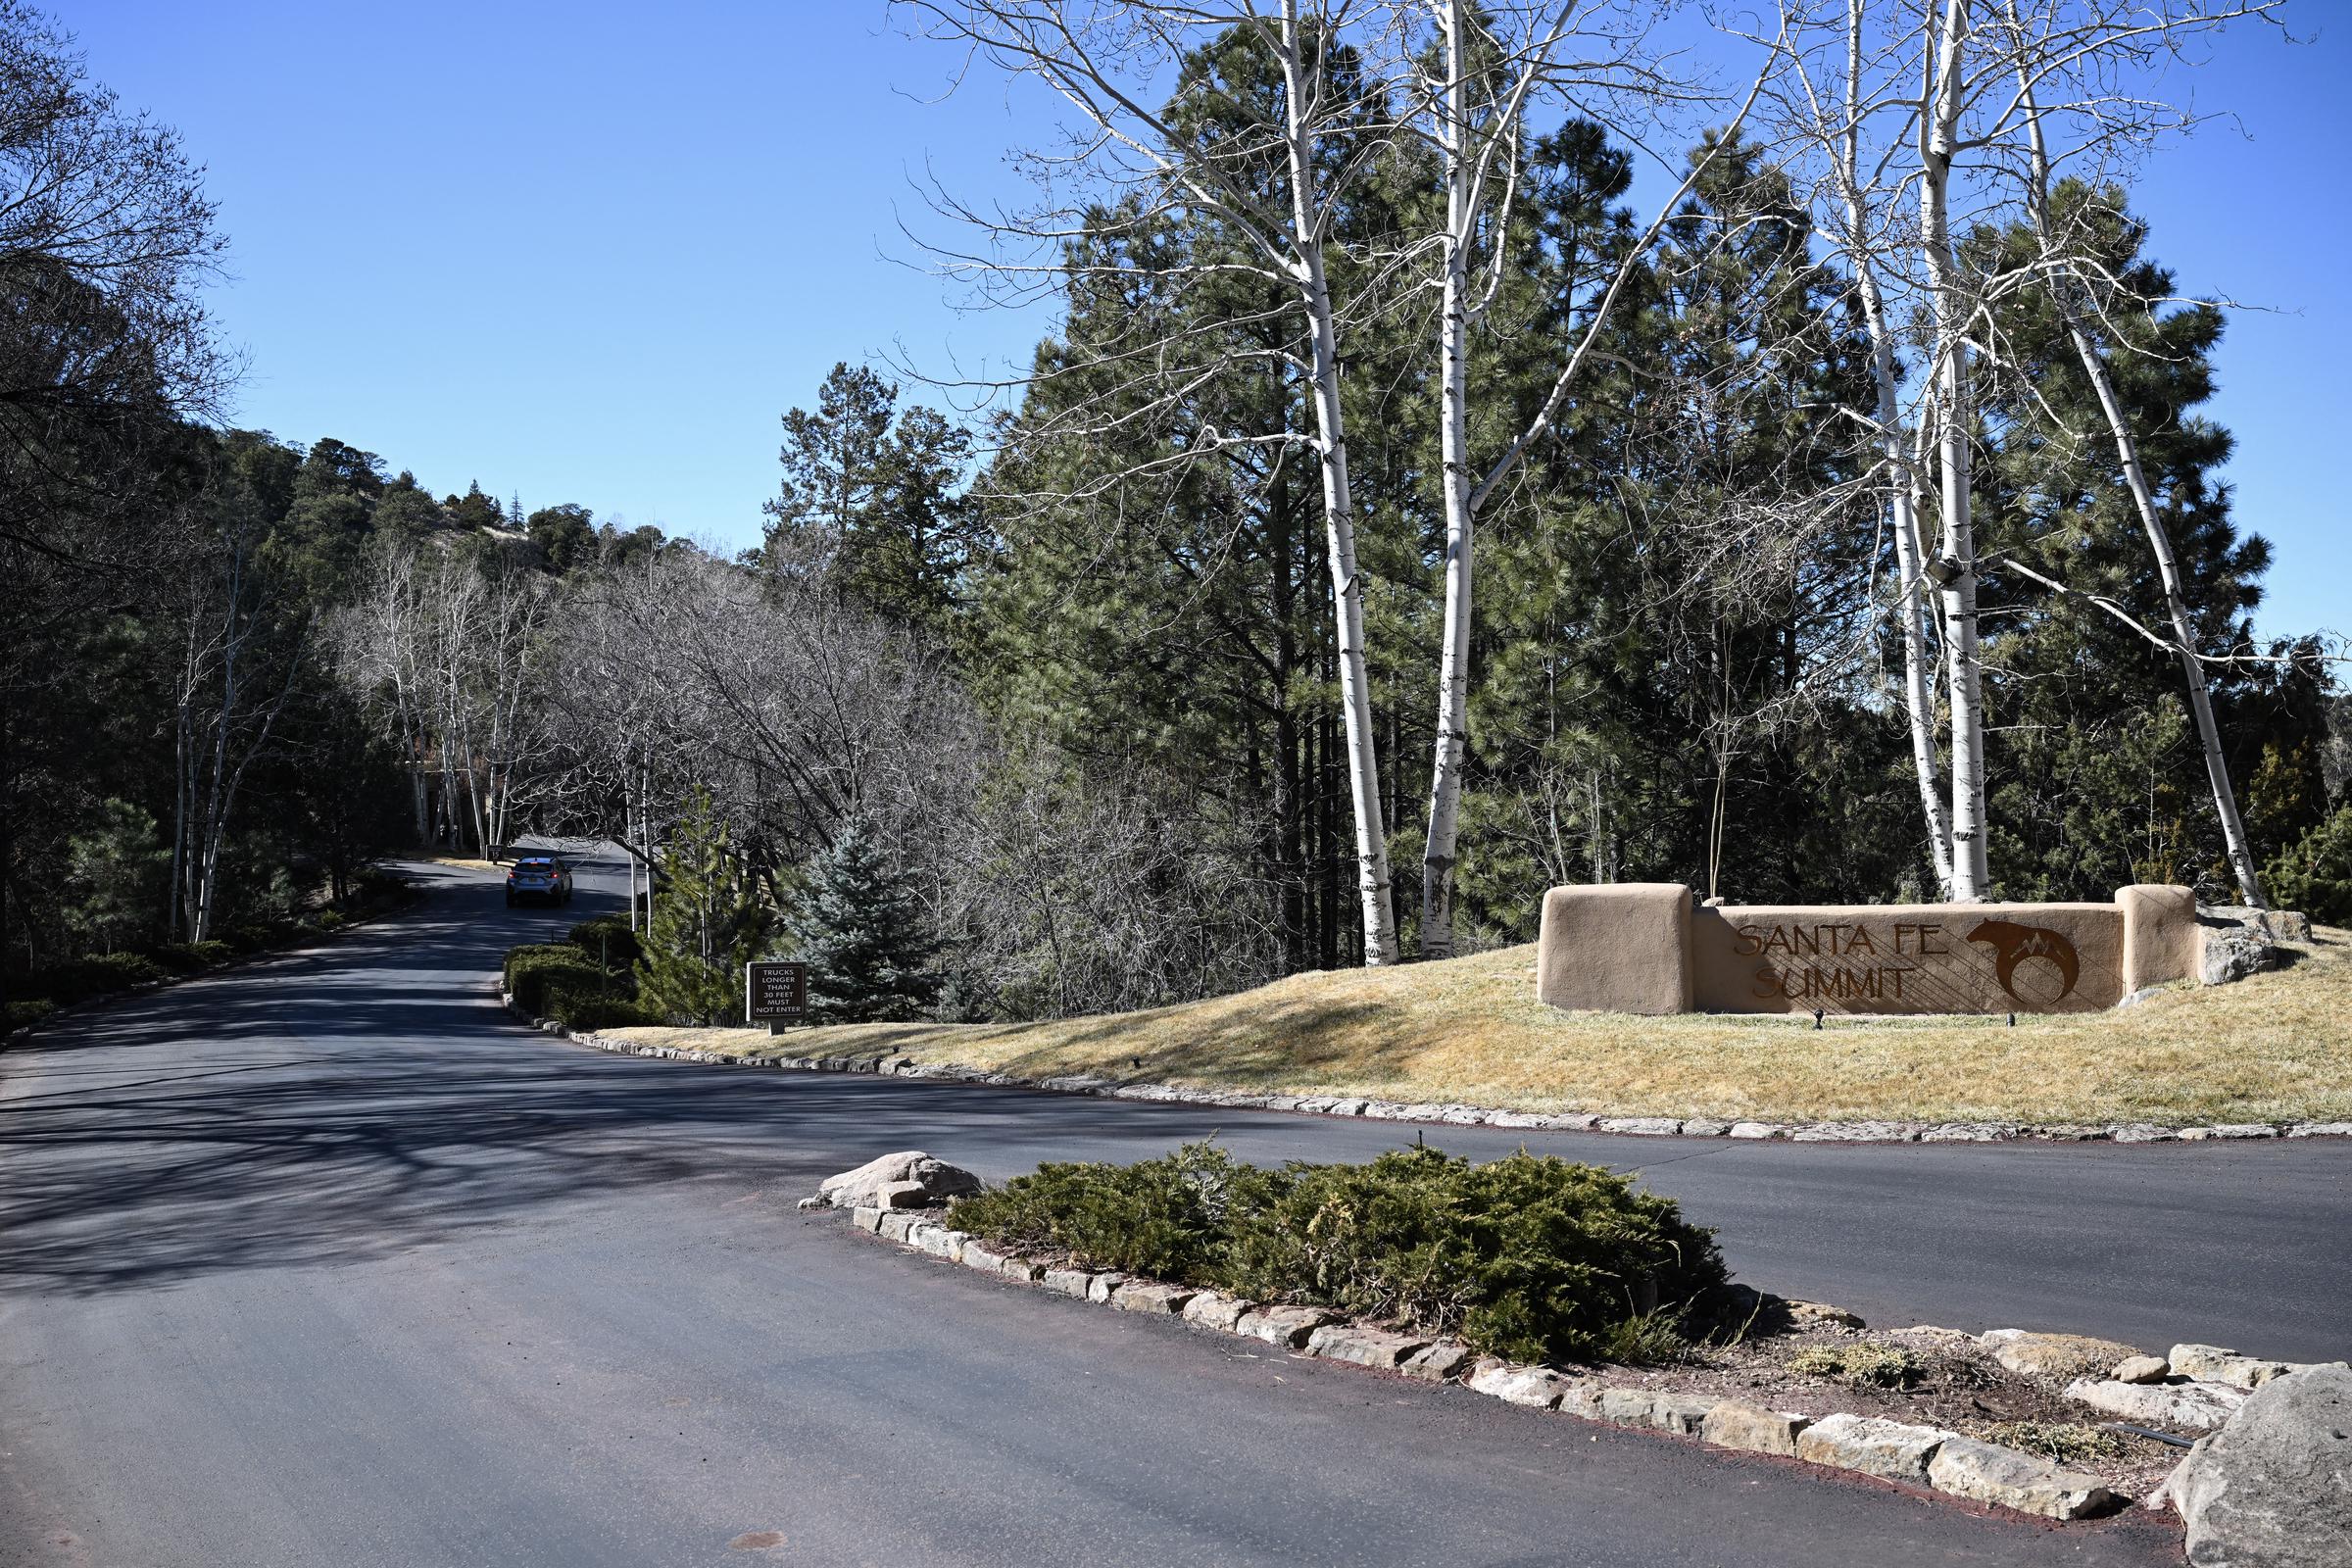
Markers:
(1910, 554)
(2063, 289)
(1469, 156)
(1454, 418)
(1938, 138)
(1338, 505)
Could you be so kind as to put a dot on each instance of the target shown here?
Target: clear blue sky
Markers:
(590, 252)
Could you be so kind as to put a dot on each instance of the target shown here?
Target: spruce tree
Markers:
(858, 930)
(707, 923)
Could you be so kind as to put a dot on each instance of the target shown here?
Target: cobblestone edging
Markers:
(1929, 1458)
(1826, 1132)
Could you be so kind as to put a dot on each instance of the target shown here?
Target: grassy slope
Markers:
(2273, 1048)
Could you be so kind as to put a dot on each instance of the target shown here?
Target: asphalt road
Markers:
(321, 1263)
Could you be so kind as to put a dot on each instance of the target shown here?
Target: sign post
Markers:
(775, 994)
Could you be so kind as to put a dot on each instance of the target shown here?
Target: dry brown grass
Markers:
(2274, 1048)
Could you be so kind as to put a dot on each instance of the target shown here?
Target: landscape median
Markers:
(1399, 1268)
(1466, 1041)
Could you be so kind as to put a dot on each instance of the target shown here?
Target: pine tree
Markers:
(707, 923)
(858, 930)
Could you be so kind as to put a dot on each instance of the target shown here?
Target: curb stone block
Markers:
(2172, 1407)
(866, 1219)
(1871, 1446)
(1628, 1407)
(1679, 1413)
(1103, 1285)
(1685, 1414)
(982, 1256)
(1026, 1270)
(1705, 1129)
(1756, 1128)
(1641, 1126)
(1077, 1282)
(2321, 1129)
(940, 1242)
(898, 1224)
(1286, 1326)
(1984, 1473)
(1375, 1348)
(1537, 1386)
(1442, 1362)
(1752, 1429)
(1141, 1297)
(1971, 1132)
(1215, 1309)
(1583, 1401)
(1856, 1132)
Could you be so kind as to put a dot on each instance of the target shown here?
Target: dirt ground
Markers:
(1926, 1377)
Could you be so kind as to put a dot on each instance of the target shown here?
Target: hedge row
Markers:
(563, 980)
(1530, 1257)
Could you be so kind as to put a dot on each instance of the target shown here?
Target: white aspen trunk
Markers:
(1910, 552)
(208, 849)
(628, 831)
(1339, 511)
(2235, 841)
(1453, 658)
(1938, 134)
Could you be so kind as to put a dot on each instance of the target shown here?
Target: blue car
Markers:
(538, 876)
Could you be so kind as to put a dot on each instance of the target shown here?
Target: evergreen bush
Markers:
(1171, 1217)
(861, 932)
(1530, 1257)
(608, 939)
(707, 923)
(586, 999)
(82, 978)
(529, 968)
(2315, 876)
(192, 957)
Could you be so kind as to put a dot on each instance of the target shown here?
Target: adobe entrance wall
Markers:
(1646, 948)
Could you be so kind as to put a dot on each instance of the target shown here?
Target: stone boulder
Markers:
(2232, 953)
(2273, 1489)
(2064, 1356)
(909, 1180)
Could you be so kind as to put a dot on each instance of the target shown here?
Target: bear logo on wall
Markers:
(2013, 944)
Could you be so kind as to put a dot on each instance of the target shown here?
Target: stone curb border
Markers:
(1927, 1459)
(1826, 1132)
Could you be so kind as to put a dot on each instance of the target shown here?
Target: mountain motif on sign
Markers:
(2012, 944)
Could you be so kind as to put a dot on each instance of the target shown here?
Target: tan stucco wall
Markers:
(2163, 940)
(1643, 947)
(1624, 947)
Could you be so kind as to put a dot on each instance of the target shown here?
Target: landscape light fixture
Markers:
(1945, 570)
